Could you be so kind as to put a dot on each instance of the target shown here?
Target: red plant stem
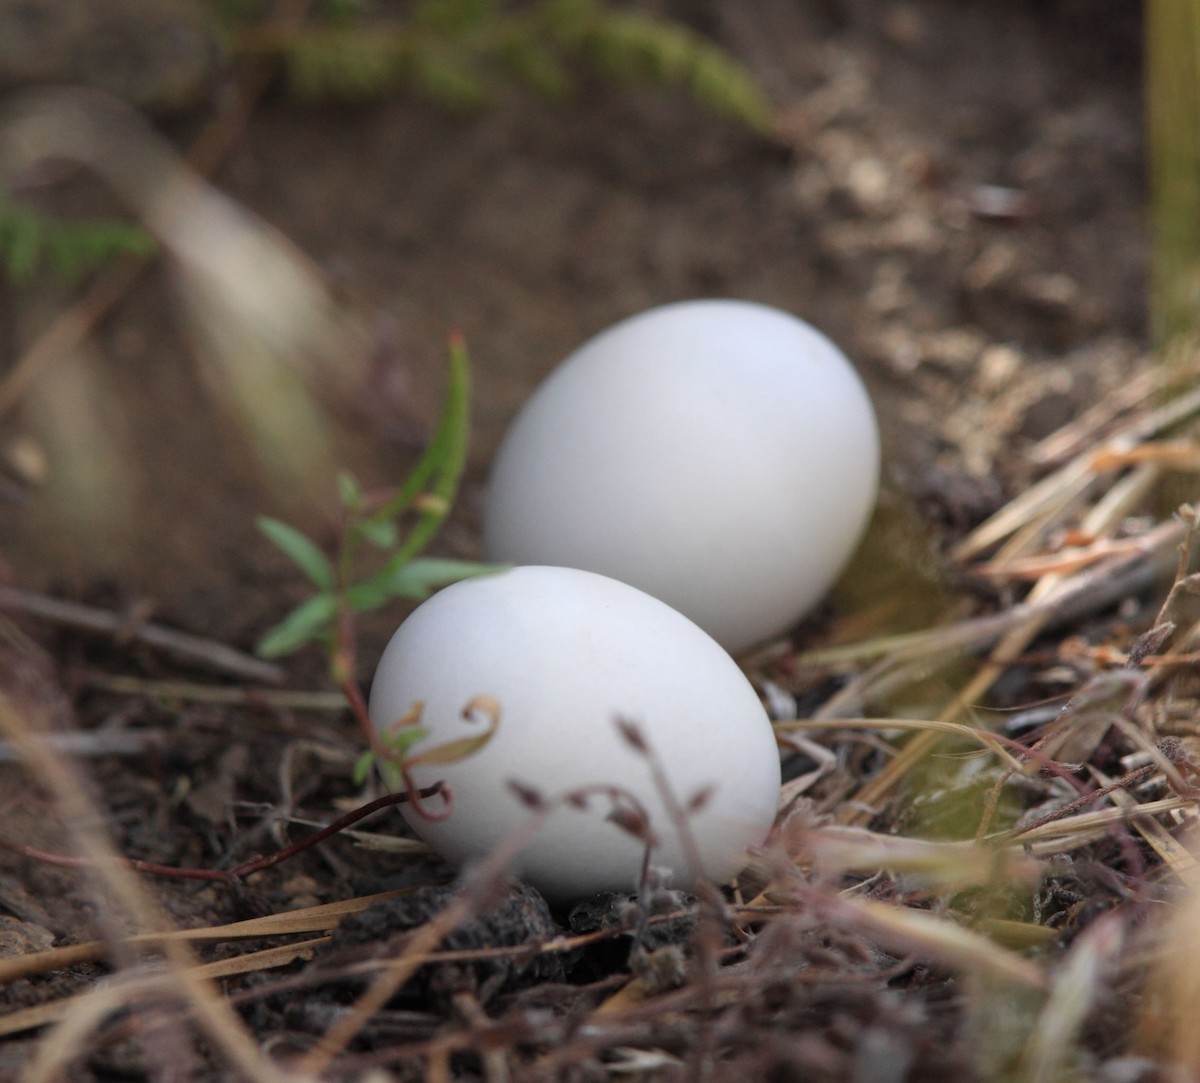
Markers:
(228, 876)
(344, 667)
(358, 707)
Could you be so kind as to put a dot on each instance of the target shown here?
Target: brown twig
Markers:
(228, 695)
(227, 876)
(206, 652)
(116, 742)
(477, 888)
(707, 938)
(1081, 802)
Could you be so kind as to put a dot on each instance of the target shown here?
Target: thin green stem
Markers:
(1173, 103)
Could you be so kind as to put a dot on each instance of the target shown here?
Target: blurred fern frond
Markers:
(457, 51)
(31, 242)
(630, 46)
(276, 348)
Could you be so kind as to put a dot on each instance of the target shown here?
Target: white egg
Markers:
(564, 653)
(720, 455)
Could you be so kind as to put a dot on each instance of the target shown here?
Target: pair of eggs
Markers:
(687, 483)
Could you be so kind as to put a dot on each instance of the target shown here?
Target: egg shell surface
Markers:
(720, 454)
(564, 653)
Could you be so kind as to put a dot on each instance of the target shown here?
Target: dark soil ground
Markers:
(953, 190)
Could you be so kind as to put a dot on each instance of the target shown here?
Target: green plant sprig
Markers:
(391, 752)
(429, 491)
(329, 615)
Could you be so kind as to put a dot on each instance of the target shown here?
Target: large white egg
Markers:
(564, 653)
(720, 455)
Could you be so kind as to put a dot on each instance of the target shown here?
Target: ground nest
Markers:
(983, 865)
(984, 861)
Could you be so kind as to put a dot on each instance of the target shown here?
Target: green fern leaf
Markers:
(31, 240)
(633, 45)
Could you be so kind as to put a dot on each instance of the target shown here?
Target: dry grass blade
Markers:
(288, 923)
(1080, 595)
(1079, 983)
(920, 725)
(1045, 597)
(78, 1018)
(972, 633)
(919, 933)
(1018, 935)
(219, 1021)
(103, 1000)
(1175, 856)
(1167, 1028)
(1051, 494)
(96, 743)
(942, 866)
(191, 692)
(1062, 562)
(1148, 384)
(1060, 836)
(1179, 455)
(1073, 479)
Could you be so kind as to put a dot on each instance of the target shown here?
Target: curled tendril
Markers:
(448, 752)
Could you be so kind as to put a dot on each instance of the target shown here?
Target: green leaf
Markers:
(418, 578)
(341, 11)
(349, 491)
(449, 79)
(370, 594)
(24, 242)
(302, 550)
(441, 467)
(451, 431)
(385, 535)
(304, 624)
(452, 18)
(392, 777)
(30, 239)
(459, 749)
(345, 61)
(402, 740)
(536, 65)
(633, 45)
(362, 767)
(451, 751)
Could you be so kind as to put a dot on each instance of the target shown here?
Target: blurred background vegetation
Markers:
(277, 350)
(454, 52)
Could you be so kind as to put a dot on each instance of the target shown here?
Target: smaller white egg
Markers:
(564, 653)
(720, 455)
